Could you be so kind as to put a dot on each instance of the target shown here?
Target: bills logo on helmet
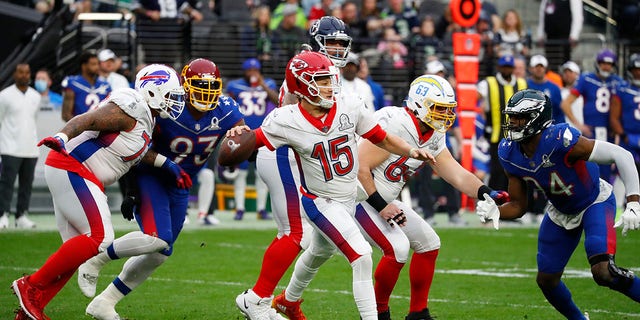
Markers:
(158, 77)
(298, 64)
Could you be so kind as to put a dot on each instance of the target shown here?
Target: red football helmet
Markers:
(302, 73)
(202, 84)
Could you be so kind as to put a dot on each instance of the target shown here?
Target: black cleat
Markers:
(421, 315)
(386, 315)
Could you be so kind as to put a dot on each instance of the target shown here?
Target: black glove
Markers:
(128, 206)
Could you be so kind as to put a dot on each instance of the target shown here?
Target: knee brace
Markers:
(621, 278)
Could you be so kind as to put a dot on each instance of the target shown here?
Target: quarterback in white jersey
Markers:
(93, 150)
(390, 224)
(322, 130)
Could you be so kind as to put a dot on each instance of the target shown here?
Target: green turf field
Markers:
(482, 274)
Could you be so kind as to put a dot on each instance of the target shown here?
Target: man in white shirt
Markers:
(570, 72)
(19, 105)
(352, 85)
(108, 69)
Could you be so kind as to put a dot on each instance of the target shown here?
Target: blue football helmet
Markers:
(325, 35)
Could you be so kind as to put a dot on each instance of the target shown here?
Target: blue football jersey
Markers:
(254, 102)
(189, 142)
(597, 97)
(86, 96)
(629, 96)
(570, 188)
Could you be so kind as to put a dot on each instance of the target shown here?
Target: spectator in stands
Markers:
(286, 8)
(108, 67)
(171, 9)
(489, 9)
(538, 65)
(371, 16)
(488, 43)
(83, 92)
(392, 49)
(570, 71)
(433, 8)
(520, 67)
(425, 43)
(257, 97)
(401, 17)
(627, 14)
(511, 37)
(19, 105)
(493, 93)
(49, 100)
(288, 36)
(262, 33)
(559, 27)
(376, 88)
(321, 9)
(352, 85)
(351, 18)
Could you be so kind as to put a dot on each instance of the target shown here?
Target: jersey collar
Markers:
(317, 123)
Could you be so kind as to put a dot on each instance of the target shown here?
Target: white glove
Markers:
(488, 210)
(630, 219)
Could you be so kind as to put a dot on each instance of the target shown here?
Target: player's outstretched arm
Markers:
(183, 180)
(396, 145)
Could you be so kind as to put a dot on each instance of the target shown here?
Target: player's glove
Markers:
(183, 181)
(128, 206)
(488, 210)
(630, 219)
(55, 143)
(500, 196)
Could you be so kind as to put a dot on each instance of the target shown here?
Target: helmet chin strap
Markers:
(324, 103)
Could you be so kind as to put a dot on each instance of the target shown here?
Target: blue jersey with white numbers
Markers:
(189, 142)
(629, 96)
(570, 188)
(597, 97)
(254, 102)
(86, 96)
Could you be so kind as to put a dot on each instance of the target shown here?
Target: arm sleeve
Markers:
(576, 19)
(604, 152)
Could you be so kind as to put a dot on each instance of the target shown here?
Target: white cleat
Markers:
(4, 221)
(25, 223)
(88, 278)
(209, 220)
(101, 309)
(255, 308)
(586, 315)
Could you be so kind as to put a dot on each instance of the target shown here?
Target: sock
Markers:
(112, 293)
(386, 276)
(421, 271)
(363, 292)
(67, 258)
(55, 287)
(261, 193)
(560, 298)
(137, 269)
(304, 271)
(277, 259)
(634, 291)
(240, 188)
(205, 190)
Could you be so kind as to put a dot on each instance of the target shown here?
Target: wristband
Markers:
(159, 160)
(376, 201)
(62, 136)
(482, 190)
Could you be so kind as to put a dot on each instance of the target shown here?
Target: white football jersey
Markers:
(391, 175)
(109, 155)
(327, 148)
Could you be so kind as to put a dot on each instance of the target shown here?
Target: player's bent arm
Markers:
(109, 117)
(615, 111)
(369, 157)
(605, 153)
(67, 105)
(397, 145)
(452, 172)
(566, 107)
(517, 206)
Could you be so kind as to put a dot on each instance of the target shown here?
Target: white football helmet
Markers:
(433, 101)
(160, 86)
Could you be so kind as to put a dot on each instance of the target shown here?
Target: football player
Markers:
(83, 92)
(257, 97)
(322, 129)
(91, 151)
(596, 90)
(279, 170)
(559, 160)
(625, 116)
(429, 113)
(188, 139)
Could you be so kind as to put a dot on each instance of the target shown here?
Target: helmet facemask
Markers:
(315, 89)
(160, 87)
(432, 100)
(439, 116)
(527, 113)
(204, 92)
(335, 48)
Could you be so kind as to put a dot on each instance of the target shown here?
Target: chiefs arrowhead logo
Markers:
(298, 64)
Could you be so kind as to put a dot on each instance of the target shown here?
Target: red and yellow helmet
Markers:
(202, 84)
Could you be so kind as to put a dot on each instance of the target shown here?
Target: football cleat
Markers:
(263, 215)
(586, 315)
(209, 220)
(30, 298)
(25, 223)
(256, 308)
(102, 309)
(4, 221)
(88, 278)
(21, 315)
(239, 215)
(385, 315)
(290, 309)
(420, 315)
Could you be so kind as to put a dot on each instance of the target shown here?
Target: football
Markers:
(236, 149)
